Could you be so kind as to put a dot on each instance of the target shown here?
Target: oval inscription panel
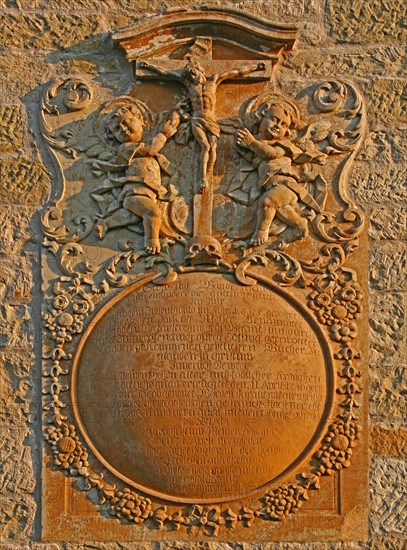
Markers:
(203, 390)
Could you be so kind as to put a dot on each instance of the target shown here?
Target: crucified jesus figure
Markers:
(202, 93)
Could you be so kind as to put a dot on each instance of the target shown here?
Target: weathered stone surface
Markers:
(388, 497)
(388, 328)
(388, 404)
(375, 183)
(377, 61)
(373, 21)
(31, 546)
(47, 31)
(387, 543)
(23, 182)
(24, 72)
(388, 223)
(15, 228)
(16, 330)
(384, 145)
(17, 399)
(16, 470)
(388, 442)
(16, 516)
(11, 130)
(386, 100)
(388, 266)
(15, 278)
(399, 144)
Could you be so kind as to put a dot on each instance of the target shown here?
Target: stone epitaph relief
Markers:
(202, 359)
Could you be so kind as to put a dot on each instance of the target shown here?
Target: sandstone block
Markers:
(387, 442)
(388, 499)
(378, 183)
(23, 182)
(388, 404)
(387, 543)
(387, 328)
(15, 278)
(15, 228)
(373, 21)
(16, 472)
(11, 128)
(375, 61)
(17, 402)
(16, 329)
(17, 514)
(388, 266)
(27, 30)
(25, 71)
(386, 101)
(388, 223)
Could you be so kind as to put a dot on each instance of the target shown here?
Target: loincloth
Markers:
(209, 126)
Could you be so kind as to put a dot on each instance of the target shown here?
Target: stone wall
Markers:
(41, 39)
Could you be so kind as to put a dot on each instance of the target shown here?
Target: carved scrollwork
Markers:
(142, 186)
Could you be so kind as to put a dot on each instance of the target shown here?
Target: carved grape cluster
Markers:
(65, 317)
(283, 501)
(129, 505)
(337, 304)
(337, 447)
(68, 451)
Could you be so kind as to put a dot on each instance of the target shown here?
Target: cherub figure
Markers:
(202, 93)
(274, 155)
(140, 161)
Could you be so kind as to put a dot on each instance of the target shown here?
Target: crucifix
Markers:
(201, 77)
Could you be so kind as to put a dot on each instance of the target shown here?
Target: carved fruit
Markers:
(66, 445)
(340, 442)
(65, 319)
(339, 312)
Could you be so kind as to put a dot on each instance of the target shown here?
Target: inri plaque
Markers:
(203, 325)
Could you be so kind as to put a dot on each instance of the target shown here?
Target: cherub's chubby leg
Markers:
(298, 224)
(120, 218)
(278, 199)
(148, 209)
(201, 138)
(265, 215)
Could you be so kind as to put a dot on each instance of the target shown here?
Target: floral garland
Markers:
(335, 299)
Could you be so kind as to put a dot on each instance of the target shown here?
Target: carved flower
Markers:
(337, 447)
(338, 306)
(283, 501)
(231, 518)
(81, 307)
(205, 519)
(344, 332)
(61, 301)
(63, 325)
(247, 516)
(131, 506)
(69, 453)
(176, 520)
(323, 299)
(159, 516)
(64, 319)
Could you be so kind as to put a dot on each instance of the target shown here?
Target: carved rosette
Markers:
(325, 135)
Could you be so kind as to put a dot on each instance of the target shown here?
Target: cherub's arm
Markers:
(177, 75)
(260, 148)
(240, 72)
(159, 140)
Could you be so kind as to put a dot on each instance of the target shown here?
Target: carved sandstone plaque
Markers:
(203, 325)
(205, 407)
